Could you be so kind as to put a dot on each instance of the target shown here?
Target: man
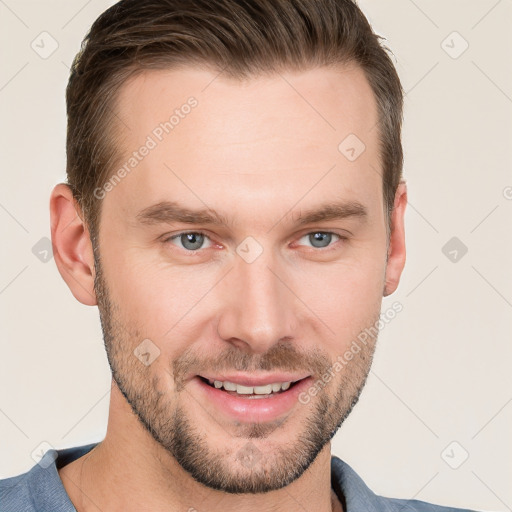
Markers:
(235, 208)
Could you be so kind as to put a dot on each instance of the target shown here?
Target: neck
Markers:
(146, 477)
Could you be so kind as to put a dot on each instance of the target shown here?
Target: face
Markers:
(242, 247)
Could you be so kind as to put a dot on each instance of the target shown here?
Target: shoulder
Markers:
(419, 506)
(41, 489)
(15, 494)
(358, 497)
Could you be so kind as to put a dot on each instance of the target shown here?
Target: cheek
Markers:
(159, 297)
(346, 298)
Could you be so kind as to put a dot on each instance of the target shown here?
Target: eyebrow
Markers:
(171, 211)
(337, 210)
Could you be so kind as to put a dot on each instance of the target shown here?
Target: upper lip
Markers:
(255, 380)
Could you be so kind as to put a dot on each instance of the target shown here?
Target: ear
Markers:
(72, 248)
(396, 246)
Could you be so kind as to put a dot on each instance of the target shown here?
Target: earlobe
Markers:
(72, 248)
(396, 249)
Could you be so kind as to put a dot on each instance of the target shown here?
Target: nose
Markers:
(257, 307)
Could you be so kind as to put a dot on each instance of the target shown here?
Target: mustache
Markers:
(282, 356)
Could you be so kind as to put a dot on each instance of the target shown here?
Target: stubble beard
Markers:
(246, 468)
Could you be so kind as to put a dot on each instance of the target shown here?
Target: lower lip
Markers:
(252, 410)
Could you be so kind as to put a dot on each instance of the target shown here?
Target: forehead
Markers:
(251, 144)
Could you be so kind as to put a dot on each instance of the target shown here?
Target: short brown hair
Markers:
(240, 37)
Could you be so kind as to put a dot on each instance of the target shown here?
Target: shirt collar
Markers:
(352, 492)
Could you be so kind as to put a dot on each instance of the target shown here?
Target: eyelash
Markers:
(317, 249)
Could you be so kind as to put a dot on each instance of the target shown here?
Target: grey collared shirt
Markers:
(41, 489)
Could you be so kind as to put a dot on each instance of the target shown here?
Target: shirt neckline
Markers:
(351, 491)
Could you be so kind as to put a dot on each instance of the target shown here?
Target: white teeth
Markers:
(267, 389)
(229, 386)
(244, 390)
(263, 390)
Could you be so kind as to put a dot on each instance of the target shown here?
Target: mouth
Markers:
(251, 392)
(249, 399)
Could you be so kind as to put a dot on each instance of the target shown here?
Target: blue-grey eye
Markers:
(191, 240)
(320, 239)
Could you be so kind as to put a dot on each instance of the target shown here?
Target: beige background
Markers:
(442, 368)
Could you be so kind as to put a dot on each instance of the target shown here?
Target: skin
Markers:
(259, 153)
